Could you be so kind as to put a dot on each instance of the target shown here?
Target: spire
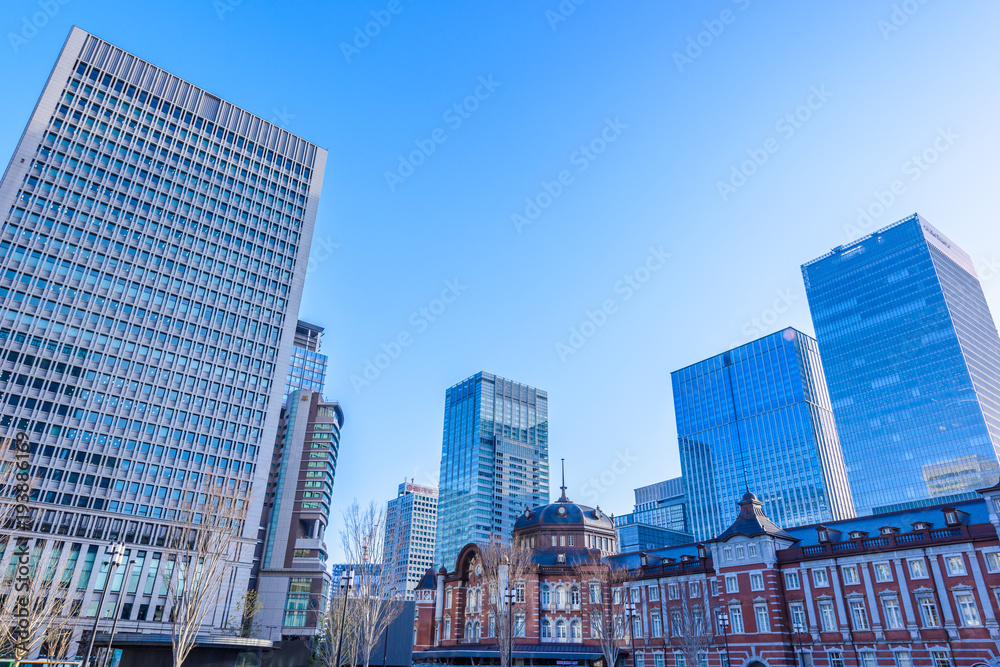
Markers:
(563, 498)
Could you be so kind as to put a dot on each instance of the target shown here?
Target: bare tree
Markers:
(244, 621)
(34, 606)
(207, 547)
(377, 602)
(695, 636)
(505, 572)
(338, 619)
(608, 618)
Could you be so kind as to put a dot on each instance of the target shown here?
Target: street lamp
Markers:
(118, 613)
(346, 580)
(796, 629)
(117, 553)
(630, 615)
(385, 642)
(724, 624)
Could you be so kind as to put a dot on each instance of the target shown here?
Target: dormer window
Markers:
(858, 534)
(823, 534)
(888, 530)
(702, 551)
(561, 558)
(921, 525)
(951, 517)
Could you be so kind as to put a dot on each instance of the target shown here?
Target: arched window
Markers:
(576, 631)
(491, 628)
(574, 596)
(468, 630)
(561, 630)
(546, 629)
(546, 595)
(477, 631)
(561, 596)
(447, 627)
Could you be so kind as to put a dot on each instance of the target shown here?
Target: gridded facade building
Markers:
(410, 529)
(759, 415)
(153, 242)
(307, 368)
(912, 358)
(658, 520)
(494, 460)
(293, 582)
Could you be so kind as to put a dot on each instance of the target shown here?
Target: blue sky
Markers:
(619, 122)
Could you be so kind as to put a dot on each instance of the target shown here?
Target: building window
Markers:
(679, 660)
(574, 597)
(447, 599)
(636, 595)
(728, 553)
(858, 614)
(850, 575)
(893, 614)
(827, 617)
(967, 608)
(955, 565)
(752, 550)
(656, 626)
(658, 660)
(637, 626)
(297, 602)
(940, 659)
(595, 593)
(820, 578)
(519, 624)
(760, 614)
(798, 614)
(836, 659)
(868, 659)
(732, 584)
(491, 627)
(546, 596)
(576, 631)
(546, 629)
(992, 561)
(929, 612)
(903, 658)
(447, 627)
(756, 581)
(672, 591)
(654, 593)
(883, 572)
(675, 624)
(740, 554)
(715, 586)
(561, 630)
(561, 597)
(918, 569)
(736, 619)
(694, 589)
(792, 581)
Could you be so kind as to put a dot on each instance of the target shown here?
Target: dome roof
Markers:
(564, 513)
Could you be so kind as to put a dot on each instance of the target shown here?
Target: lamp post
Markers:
(796, 629)
(346, 579)
(118, 612)
(724, 624)
(630, 615)
(117, 552)
(385, 641)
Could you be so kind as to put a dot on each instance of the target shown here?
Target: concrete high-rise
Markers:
(494, 461)
(410, 530)
(758, 416)
(912, 359)
(153, 246)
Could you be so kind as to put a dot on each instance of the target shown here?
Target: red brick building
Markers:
(907, 589)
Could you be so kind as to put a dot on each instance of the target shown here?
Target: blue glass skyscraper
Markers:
(758, 416)
(912, 358)
(494, 461)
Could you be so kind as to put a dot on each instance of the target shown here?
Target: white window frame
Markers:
(913, 563)
(752, 550)
(896, 653)
(955, 565)
(823, 606)
(820, 577)
(756, 581)
(654, 594)
(672, 591)
(968, 610)
(760, 612)
(854, 605)
(851, 577)
(897, 612)
(792, 582)
(732, 583)
(924, 611)
(886, 573)
(992, 559)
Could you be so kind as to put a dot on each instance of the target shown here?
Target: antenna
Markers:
(563, 498)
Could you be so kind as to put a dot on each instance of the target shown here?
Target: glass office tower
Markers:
(153, 246)
(912, 358)
(758, 417)
(494, 461)
(307, 368)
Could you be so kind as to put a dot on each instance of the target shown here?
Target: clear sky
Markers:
(617, 122)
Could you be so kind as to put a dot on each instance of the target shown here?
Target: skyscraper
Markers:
(410, 529)
(658, 519)
(307, 367)
(293, 582)
(912, 358)
(152, 247)
(494, 461)
(758, 416)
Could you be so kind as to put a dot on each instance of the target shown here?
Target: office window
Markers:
(760, 615)
(955, 565)
(929, 612)
(858, 614)
(732, 584)
(792, 581)
(820, 577)
(893, 614)
(850, 575)
(918, 569)
(967, 609)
